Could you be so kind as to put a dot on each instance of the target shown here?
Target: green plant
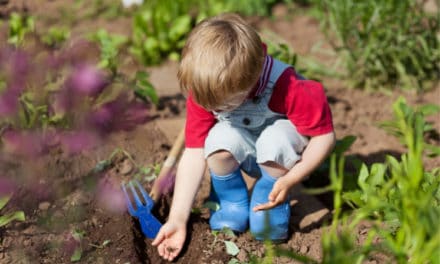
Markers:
(64, 105)
(400, 197)
(397, 127)
(102, 245)
(7, 218)
(19, 26)
(339, 244)
(110, 45)
(55, 36)
(145, 173)
(383, 44)
(231, 247)
(144, 89)
(77, 236)
(159, 30)
(306, 66)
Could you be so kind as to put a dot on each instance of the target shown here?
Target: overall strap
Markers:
(278, 68)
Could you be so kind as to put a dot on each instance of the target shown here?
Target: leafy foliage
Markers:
(55, 36)
(160, 27)
(110, 45)
(159, 30)
(67, 104)
(383, 44)
(19, 26)
(400, 197)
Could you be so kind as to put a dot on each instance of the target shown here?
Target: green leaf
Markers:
(4, 201)
(6, 219)
(78, 235)
(142, 75)
(234, 261)
(106, 242)
(212, 205)
(231, 248)
(76, 255)
(151, 45)
(429, 109)
(377, 173)
(101, 166)
(353, 198)
(228, 232)
(146, 170)
(150, 178)
(433, 151)
(180, 27)
(362, 178)
(344, 144)
(147, 92)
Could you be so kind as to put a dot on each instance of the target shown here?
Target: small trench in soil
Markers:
(194, 250)
(146, 253)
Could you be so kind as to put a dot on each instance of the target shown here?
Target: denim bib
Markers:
(254, 114)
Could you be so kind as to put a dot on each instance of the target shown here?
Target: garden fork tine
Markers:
(130, 207)
(149, 224)
(148, 201)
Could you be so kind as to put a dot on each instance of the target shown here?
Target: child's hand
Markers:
(170, 239)
(276, 197)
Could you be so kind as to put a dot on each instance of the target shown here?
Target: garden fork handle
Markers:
(168, 165)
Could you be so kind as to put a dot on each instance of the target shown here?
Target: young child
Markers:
(245, 111)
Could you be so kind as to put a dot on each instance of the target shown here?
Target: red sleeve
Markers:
(303, 102)
(198, 123)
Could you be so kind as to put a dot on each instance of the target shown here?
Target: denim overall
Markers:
(253, 133)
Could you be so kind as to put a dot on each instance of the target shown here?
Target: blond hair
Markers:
(222, 58)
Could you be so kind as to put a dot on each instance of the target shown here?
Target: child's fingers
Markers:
(264, 206)
(161, 250)
(167, 251)
(159, 238)
(169, 254)
(275, 198)
(275, 193)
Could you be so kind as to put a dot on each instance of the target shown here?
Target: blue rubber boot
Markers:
(231, 193)
(272, 224)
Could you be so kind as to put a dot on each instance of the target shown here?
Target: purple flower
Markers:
(8, 103)
(110, 196)
(65, 99)
(102, 118)
(17, 62)
(76, 141)
(87, 80)
(118, 115)
(26, 143)
(7, 186)
(20, 65)
(38, 190)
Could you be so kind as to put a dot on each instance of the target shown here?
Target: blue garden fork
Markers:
(141, 209)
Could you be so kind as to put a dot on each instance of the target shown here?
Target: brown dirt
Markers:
(58, 194)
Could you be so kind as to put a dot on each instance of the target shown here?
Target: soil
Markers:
(59, 194)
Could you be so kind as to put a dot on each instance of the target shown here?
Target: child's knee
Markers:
(224, 138)
(276, 145)
(223, 135)
(222, 162)
(272, 141)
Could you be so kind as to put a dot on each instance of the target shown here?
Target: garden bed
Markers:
(65, 213)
